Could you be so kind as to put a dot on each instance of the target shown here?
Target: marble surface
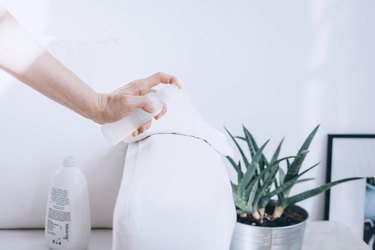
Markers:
(319, 235)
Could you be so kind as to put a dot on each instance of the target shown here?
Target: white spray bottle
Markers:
(117, 131)
(68, 225)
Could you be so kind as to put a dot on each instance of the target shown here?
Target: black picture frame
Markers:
(342, 148)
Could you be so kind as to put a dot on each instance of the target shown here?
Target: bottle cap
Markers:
(69, 161)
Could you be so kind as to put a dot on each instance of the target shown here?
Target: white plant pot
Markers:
(247, 237)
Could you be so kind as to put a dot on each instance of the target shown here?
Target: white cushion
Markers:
(37, 133)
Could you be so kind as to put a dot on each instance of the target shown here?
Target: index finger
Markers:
(155, 79)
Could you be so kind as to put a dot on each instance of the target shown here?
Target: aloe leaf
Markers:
(310, 193)
(240, 203)
(251, 169)
(252, 189)
(253, 192)
(306, 144)
(288, 184)
(253, 147)
(295, 179)
(276, 162)
(252, 143)
(255, 182)
(271, 173)
(307, 170)
(245, 160)
(280, 195)
(263, 196)
(281, 175)
(240, 211)
(277, 152)
(272, 170)
(304, 180)
(240, 137)
(280, 160)
(294, 168)
(263, 201)
(274, 159)
(237, 167)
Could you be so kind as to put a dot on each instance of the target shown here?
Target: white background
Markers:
(279, 67)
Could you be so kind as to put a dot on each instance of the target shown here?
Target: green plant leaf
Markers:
(237, 167)
(253, 192)
(252, 189)
(239, 202)
(245, 160)
(288, 184)
(310, 193)
(248, 176)
(294, 168)
(234, 187)
(277, 152)
(264, 189)
(304, 180)
(280, 195)
(281, 175)
(265, 180)
(252, 144)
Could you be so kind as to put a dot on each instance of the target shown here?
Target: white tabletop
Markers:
(33, 239)
(319, 235)
(328, 235)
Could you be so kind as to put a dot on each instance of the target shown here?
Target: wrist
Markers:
(100, 112)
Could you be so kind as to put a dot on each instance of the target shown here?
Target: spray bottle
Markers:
(117, 131)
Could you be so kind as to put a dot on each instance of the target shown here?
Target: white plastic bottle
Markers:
(117, 131)
(68, 225)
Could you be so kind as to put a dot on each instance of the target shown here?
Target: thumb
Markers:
(141, 102)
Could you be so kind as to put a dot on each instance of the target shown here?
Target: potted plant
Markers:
(264, 222)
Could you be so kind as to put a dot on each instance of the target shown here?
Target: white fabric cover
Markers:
(175, 192)
(183, 119)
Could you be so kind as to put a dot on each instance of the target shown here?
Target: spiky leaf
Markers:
(251, 169)
(244, 158)
(237, 167)
(310, 193)
(294, 168)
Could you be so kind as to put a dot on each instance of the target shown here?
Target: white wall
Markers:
(280, 67)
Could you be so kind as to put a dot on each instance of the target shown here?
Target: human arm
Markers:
(23, 57)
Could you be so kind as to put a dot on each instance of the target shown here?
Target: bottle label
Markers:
(58, 222)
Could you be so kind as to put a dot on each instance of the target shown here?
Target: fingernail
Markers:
(135, 133)
(178, 84)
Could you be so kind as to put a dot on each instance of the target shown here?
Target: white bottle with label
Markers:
(68, 225)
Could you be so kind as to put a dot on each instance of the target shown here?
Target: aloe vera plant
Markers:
(259, 180)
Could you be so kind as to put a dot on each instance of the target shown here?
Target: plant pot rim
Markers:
(281, 227)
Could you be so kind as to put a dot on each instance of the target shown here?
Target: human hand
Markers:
(123, 101)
